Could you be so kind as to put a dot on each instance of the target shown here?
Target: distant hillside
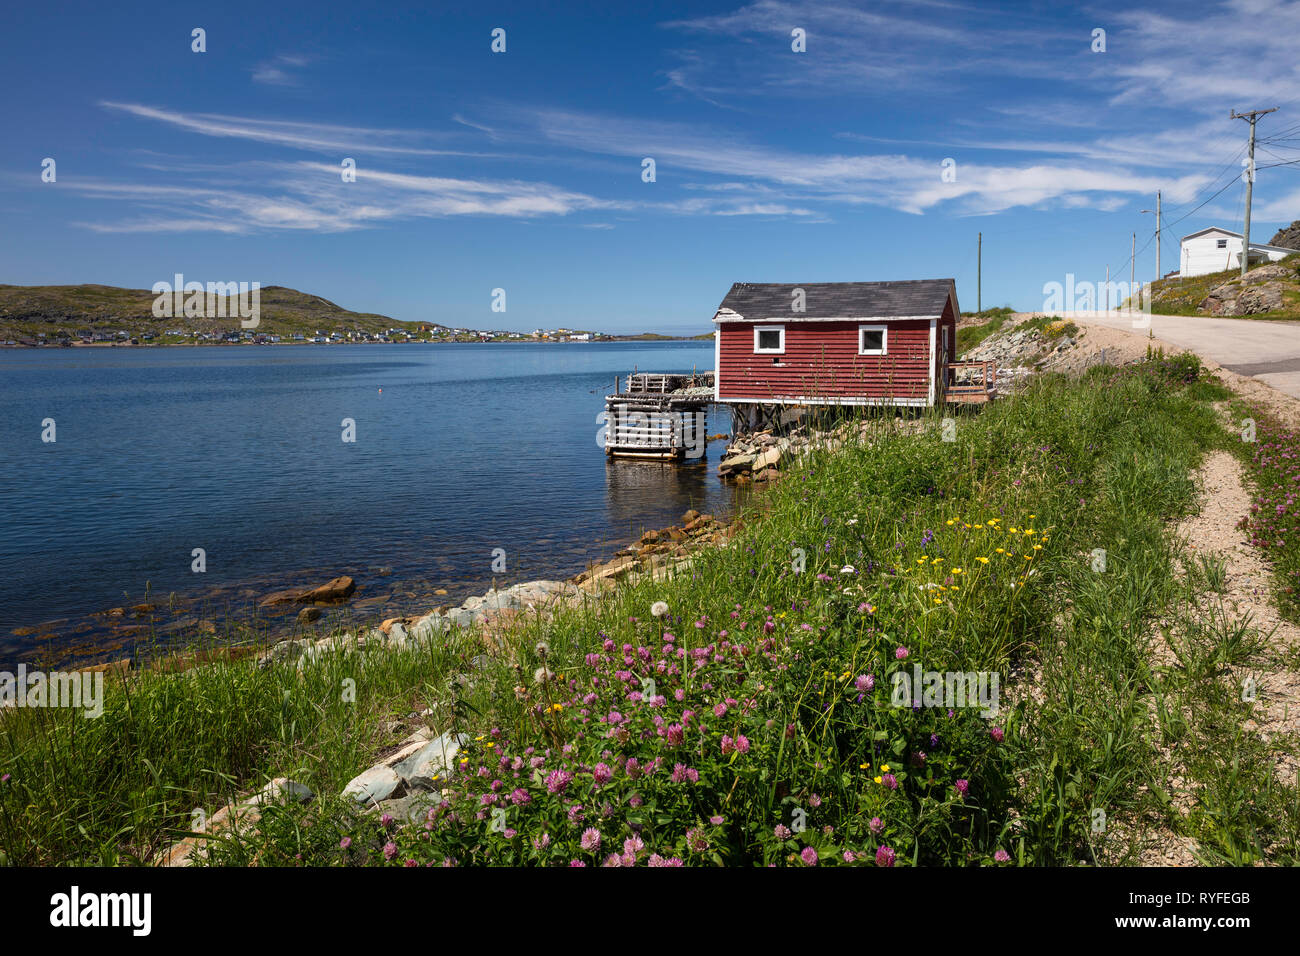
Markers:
(26, 311)
(94, 314)
(1269, 291)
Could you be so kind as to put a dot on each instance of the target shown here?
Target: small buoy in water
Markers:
(381, 391)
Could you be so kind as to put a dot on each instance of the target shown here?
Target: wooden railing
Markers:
(976, 387)
(663, 383)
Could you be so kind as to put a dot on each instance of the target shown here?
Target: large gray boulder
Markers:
(373, 785)
(429, 626)
(432, 763)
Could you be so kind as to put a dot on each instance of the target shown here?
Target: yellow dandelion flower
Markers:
(982, 560)
(950, 521)
(1002, 550)
(885, 767)
(877, 780)
(955, 588)
(865, 766)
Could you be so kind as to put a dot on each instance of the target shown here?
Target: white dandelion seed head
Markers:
(542, 649)
(542, 675)
(658, 609)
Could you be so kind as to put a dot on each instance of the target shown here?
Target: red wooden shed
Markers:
(836, 343)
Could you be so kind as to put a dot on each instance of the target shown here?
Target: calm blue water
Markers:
(238, 451)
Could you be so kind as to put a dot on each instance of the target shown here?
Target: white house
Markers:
(1215, 249)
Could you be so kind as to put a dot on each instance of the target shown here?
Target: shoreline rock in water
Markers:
(336, 591)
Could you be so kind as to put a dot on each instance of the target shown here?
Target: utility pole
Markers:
(1132, 266)
(1250, 180)
(979, 274)
(1157, 212)
(1108, 288)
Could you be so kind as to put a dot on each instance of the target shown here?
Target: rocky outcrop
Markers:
(408, 781)
(1288, 237)
(1259, 290)
(757, 454)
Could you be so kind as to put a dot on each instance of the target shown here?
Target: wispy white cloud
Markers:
(313, 197)
(746, 53)
(298, 135)
(1239, 55)
(899, 180)
(278, 71)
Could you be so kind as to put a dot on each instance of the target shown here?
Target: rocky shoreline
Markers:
(655, 553)
(405, 783)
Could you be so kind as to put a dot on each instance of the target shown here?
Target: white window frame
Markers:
(780, 350)
(884, 339)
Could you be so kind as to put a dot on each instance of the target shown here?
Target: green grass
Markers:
(1183, 296)
(971, 336)
(1075, 468)
(992, 321)
(1273, 459)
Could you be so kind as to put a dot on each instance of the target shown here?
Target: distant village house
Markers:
(1216, 250)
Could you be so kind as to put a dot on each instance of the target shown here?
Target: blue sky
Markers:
(522, 170)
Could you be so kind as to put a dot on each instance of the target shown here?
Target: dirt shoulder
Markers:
(1094, 344)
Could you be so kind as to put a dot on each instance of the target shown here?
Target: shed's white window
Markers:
(769, 339)
(872, 339)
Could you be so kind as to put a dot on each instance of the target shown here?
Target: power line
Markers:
(1206, 203)
(1231, 164)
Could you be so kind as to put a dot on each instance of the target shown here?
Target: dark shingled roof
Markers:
(833, 300)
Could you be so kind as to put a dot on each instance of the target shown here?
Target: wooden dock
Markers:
(658, 415)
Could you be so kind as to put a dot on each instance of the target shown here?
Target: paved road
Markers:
(1268, 351)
